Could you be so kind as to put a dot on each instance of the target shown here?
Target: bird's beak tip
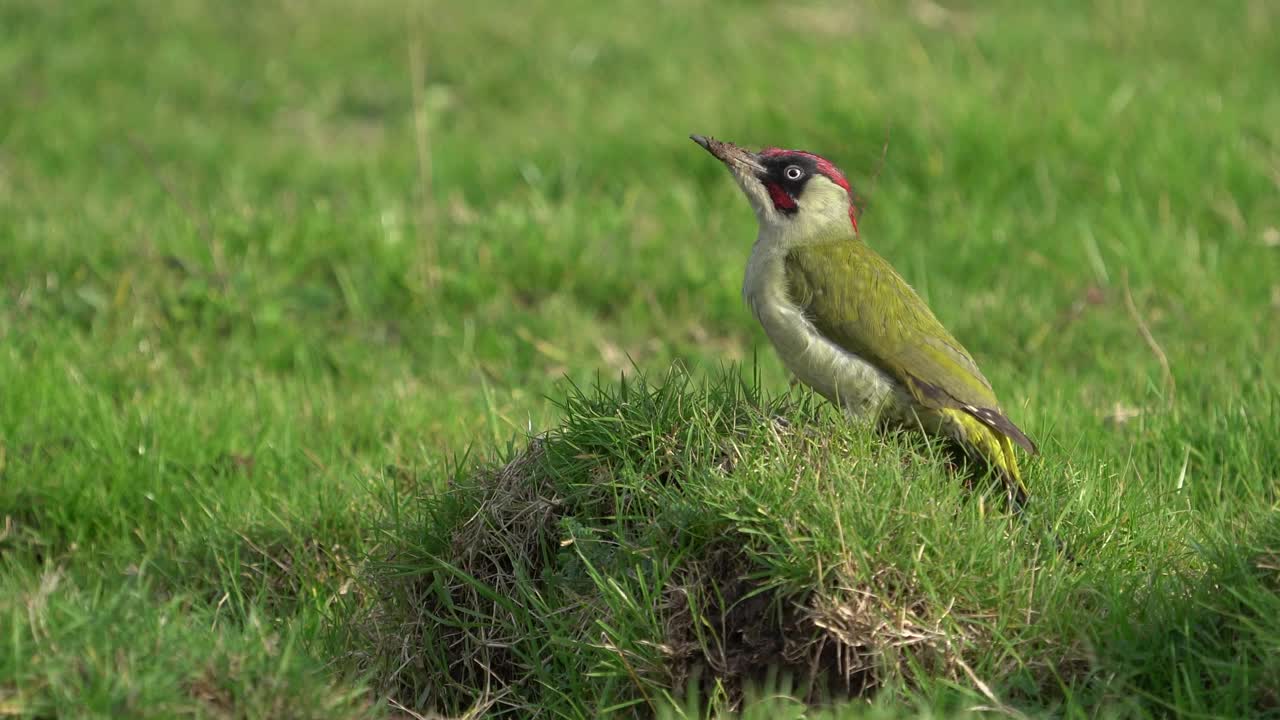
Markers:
(728, 153)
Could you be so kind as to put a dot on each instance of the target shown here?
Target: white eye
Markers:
(793, 172)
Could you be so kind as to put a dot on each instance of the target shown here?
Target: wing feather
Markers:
(857, 300)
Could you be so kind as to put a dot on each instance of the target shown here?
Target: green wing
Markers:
(857, 300)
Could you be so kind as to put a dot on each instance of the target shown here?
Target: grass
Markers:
(670, 538)
(287, 289)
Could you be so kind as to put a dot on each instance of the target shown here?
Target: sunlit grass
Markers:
(271, 275)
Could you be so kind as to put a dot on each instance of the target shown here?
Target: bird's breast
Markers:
(842, 377)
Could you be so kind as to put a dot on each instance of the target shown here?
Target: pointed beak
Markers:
(736, 158)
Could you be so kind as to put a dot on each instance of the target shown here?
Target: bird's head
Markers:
(797, 196)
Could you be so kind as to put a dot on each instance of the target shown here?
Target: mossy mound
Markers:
(673, 538)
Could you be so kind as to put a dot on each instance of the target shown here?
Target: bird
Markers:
(847, 325)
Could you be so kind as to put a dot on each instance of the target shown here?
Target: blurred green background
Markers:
(265, 265)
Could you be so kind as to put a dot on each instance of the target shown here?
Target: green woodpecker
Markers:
(847, 325)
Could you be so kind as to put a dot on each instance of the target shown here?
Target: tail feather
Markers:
(993, 449)
(1011, 474)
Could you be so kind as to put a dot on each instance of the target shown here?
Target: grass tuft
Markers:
(677, 537)
(681, 541)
